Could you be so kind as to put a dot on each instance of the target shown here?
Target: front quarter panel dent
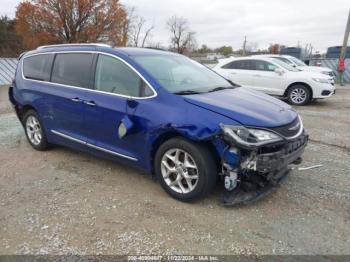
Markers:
(199, 134)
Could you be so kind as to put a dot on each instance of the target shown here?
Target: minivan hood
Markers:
(246, 106)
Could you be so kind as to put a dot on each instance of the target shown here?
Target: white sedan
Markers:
(297, 63)
(274, 77)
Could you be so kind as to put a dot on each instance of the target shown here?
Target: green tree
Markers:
(10, 41)
(204, 49)
(225, 50)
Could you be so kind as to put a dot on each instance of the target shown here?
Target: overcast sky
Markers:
(226, 22)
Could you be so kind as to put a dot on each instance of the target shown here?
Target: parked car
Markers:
(297, 63)
(160, 112)
(274, 77)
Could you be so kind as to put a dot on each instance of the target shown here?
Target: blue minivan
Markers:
(160, 112)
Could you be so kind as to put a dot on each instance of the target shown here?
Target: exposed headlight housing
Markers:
(263, 135)
(321, 80)
(249, 137)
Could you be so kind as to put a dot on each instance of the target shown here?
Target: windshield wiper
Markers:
(187, 92)
(221, 88)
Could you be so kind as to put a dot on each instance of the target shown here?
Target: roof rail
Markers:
(76, 44)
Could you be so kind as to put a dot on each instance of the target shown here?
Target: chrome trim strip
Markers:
(300, 130)
(69, 137)
(87, 89)
(92, 146)
(111, 152)
(280, 135)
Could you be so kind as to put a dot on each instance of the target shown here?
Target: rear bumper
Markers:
(13, 102)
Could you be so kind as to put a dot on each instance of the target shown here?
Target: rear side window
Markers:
(114, 76)
(72, 69)
(240, 64)
(37, 67)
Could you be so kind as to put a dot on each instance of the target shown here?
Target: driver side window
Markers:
(114, 76)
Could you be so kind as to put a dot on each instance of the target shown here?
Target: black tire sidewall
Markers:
(305, 88)
(205, 163)
(43, 145)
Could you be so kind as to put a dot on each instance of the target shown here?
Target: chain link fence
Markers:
(332, 63)
(7, 70)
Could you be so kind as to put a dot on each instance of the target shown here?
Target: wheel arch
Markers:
(173, 134)
(299, 83)
(25, 109)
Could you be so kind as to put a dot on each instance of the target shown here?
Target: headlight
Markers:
(326, 73)
(248, 137)
(321, 80)
(263, 135)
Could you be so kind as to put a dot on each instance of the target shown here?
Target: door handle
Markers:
(258, 75)
(76, 99)
(90, 103)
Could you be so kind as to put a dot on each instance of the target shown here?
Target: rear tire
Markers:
(35, 131)
(186, 170)
(299, 95)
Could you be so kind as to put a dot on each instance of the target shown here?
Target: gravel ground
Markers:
(66, 202)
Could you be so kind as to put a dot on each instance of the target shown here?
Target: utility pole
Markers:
(344, 48)
(311, 50)
(244, 46)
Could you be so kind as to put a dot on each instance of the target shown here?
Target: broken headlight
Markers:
(248, 137)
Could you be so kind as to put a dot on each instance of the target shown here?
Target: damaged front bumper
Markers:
(260, 168)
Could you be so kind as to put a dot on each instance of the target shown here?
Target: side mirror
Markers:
(279, 71)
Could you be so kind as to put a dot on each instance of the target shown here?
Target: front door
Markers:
(265, 78)
(239, 72)
(110, 108)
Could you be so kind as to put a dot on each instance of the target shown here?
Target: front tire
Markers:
(186, 170)
(299, 95)
(35, 131)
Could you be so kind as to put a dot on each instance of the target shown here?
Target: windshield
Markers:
(284, 60)
(180, 74)
(297, 61)
(285, 65)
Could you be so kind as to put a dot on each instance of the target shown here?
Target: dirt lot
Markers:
(66, 202)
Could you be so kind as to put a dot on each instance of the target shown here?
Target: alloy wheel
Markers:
(34, 130)
(180, 171)
(298, 96)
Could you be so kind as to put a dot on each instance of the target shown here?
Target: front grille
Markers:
(269, 160)
(332, 74)
(289, 130)
(295, 144)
